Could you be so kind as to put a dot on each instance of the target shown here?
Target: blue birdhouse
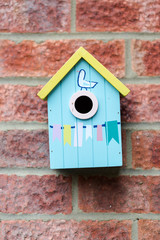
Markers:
(84, 114)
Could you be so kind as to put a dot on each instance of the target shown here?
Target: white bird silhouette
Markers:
(82, 83)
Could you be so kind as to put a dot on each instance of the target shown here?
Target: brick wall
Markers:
(36, 38)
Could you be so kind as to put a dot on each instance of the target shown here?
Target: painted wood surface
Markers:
(85, 153)
(81, 53)
(82, 152)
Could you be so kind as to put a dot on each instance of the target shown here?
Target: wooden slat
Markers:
(85, 153)
(55, 117)
(112, 114)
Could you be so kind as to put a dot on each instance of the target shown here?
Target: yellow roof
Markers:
(82, 53)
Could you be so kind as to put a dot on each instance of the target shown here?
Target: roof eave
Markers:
(82, 53)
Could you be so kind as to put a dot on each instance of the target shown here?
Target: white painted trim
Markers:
(85, 115)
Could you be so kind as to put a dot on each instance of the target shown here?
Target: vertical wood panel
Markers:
(99, 147)
(55, 117)
(68, 89)
(85, 152)
(113, 113)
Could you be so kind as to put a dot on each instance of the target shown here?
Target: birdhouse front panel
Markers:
(84, 120)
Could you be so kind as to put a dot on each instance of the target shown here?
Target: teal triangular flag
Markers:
(112, 131)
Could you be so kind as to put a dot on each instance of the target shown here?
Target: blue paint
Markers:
(99, 147)
(92, 153)
(55, 117)
(113, 113)
(85, 153)
(67, 90)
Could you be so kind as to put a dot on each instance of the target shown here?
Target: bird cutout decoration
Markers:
(82, 83)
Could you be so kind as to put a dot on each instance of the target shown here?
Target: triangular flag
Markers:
(56, 132)
(75, 136)
(99, 133)
(112, 131)
(88, 131)
(80, 134)
(67, 134)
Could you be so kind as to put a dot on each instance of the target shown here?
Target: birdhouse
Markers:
(84, 114)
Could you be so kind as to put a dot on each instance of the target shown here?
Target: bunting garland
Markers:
(111, 132)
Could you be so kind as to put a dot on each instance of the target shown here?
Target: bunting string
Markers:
(111, 132)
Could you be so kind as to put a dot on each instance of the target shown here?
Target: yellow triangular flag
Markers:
(67, 134)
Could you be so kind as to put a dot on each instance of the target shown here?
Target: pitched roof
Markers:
(82, 53)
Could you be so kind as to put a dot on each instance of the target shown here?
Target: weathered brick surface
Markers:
(20, 148)
(35, 16)
(123, 194)
(149, 229)
(32, 59)
(21, 103)
(118, 15)
(141, 104)
(62, 229)
(146, 149)
(47, 194)
(146, 57)
(154, 186)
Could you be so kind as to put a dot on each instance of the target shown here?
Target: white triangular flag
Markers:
(88, 131)
(75, 136)
(80, 134)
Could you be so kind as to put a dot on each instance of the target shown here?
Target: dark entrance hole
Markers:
(83, 104)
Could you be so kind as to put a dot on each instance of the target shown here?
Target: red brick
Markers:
(149, 229)
(118, 15)
(21, 103)
(35, 194)
(35, 16)
(145, 149)
(62, 229)
(154, 186)
(146, 57)
(40, 60)
(20, 148)
(141, 104)
(122, 194)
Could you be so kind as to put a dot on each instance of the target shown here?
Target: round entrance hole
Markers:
(83, 104)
